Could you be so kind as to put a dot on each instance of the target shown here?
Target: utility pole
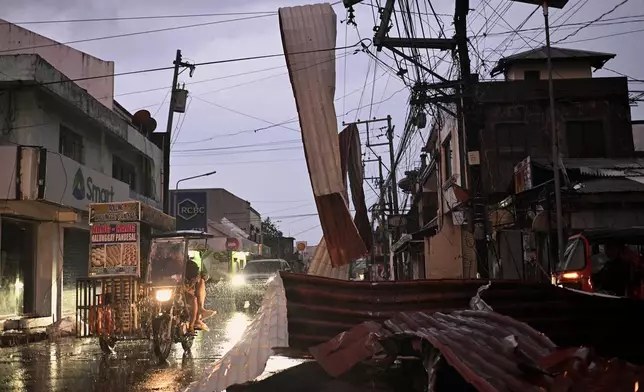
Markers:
(178, 64)
(470, 129)
(392, 165)
(555, 142)
(381, 182)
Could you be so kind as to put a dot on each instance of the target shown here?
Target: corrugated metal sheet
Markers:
(600, 167)
(319, 309)
(321, 264)
(308, 37)
(492, 352)
(351, 161)
(247, 359)
(612, 185)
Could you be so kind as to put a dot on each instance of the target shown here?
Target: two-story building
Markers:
(593, 120)
(63, 145)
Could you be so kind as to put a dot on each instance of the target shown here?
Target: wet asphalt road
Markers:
(79, 365)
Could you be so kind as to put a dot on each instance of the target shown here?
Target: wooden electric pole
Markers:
(178, 64)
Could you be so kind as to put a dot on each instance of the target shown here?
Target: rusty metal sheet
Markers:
(351, 161)
(320, 308)
(321, 264)
(248, 357)
(309, 37)
(491, 352)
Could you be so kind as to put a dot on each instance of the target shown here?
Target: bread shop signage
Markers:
(114, 249)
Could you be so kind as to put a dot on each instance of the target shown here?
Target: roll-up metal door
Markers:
(75, 265)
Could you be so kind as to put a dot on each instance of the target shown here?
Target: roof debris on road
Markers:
(491, 352)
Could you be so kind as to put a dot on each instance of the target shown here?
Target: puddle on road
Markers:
(79, 365)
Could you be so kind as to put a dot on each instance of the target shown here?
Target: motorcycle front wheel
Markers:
(107, 344)
(162, 337)
(186, 343)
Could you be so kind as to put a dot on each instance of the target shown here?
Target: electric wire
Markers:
(593, 21)
(124, 35)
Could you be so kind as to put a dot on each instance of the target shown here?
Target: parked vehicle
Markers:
(607, 261)
(250, 284)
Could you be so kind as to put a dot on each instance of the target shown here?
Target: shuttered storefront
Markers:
(75, 265)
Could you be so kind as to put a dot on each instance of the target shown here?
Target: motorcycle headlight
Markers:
(238, 280)
(163, 295)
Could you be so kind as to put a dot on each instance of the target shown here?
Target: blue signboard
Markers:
(191, 210)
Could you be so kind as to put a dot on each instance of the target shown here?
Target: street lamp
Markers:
(553, 126)
(193, 177)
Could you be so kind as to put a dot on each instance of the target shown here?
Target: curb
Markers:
(18, 338)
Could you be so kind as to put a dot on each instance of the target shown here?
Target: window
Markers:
(448, 160)
(70, 144)
(585, 139)
(531, 76)
(511, 140)
(124, 171)
(148, 186)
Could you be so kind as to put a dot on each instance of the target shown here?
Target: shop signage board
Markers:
(232, 244)
(191, 210)
(114, 249)
(301, 246)
(128, 211)
(523, 176)
(72, 184)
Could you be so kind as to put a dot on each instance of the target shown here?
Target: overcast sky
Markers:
(267, 167)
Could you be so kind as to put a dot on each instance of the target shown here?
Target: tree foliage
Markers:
(270, 230)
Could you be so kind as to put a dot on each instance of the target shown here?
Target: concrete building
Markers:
(593, 119)
(63, 144)
(223, 204)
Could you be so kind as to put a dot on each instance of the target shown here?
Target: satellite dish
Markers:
(144, 122)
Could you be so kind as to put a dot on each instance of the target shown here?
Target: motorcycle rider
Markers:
(196, 296)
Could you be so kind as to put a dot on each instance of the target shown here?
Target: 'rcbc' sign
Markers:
(191, 210)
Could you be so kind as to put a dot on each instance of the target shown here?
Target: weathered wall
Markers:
(33, 117)
(638, 135)
(71, 62)
(526, 105)
(49, 263)
(445, 252)
(560, 71)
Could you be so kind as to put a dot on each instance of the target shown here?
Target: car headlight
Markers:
(272, 278)
(238, 280)
(163, 295)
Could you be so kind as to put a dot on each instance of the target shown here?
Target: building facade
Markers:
(593, 120)
(63, 145)
(223, 204)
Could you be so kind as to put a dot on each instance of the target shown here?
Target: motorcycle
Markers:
(172, 320)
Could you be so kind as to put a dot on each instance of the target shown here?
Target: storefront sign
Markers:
(114, 249)
(69, 183)
(523, 176)
(232, 244)
(128, 211)
(190, 209)
(301, 246)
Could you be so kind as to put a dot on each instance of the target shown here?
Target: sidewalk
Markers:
(14, 338)
(19, 331)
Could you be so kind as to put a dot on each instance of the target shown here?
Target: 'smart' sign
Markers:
(71, 184)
